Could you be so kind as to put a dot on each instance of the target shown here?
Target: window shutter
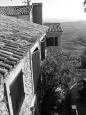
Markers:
(43, 49)
(36, 68)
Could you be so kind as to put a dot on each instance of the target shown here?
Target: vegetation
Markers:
(60, 67)
(83, 59)
(58, 75)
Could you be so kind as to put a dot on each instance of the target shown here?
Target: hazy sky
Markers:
(56, 9)
(63, 10)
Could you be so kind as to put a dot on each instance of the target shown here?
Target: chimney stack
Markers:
(37, 13)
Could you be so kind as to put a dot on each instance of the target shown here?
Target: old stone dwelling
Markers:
(22, 48)
(53, 35)
(20, 57)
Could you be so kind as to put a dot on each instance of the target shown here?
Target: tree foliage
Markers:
(58, 68)
(58, 74)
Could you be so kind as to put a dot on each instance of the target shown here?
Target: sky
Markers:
(53, 10)
(63, 10)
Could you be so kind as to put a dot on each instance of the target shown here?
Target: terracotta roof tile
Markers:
(15, 10)
(54, 30)
(16, 36)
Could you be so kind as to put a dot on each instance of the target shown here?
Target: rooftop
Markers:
(54, 30)
(15, 10)
(16, 36)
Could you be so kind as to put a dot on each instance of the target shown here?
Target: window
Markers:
(50, 41)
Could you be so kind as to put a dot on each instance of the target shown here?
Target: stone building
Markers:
(20, 57)
(22, 49)
(53, 35)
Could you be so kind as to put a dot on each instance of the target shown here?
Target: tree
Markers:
(56, 71)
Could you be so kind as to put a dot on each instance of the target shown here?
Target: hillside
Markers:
(73, 37)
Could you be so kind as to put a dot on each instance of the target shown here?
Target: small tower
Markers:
(53, 35)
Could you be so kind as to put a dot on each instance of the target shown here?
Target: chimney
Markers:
(37, 13)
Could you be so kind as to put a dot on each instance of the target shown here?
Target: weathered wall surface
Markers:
(28, 84)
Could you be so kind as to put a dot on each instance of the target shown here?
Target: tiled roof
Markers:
(15, 10)
(16, 36)
(54, 27)
(54, 30)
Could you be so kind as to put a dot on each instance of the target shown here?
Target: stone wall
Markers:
(28, 84)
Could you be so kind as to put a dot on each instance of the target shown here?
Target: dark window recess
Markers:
(50, 41)
(6, 97)
(36, 68)
(56, 41)
(43, 49)
(17, 93)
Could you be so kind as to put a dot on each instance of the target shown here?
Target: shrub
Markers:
(56, 71)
